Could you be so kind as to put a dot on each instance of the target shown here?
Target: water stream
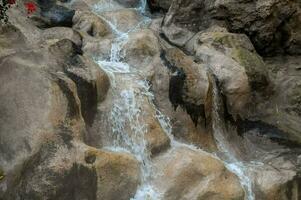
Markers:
(130, 91)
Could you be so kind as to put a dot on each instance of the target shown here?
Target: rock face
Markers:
(271, 25)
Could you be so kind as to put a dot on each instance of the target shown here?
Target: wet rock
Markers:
(276, 180)
(156, 138)
(89, 24)
(183, 127)
(197, 175)
(137, 117)
(118, 175)
(99, 48)
(141, 47)
(123, 19)
(92, 82)
(240, 72)
(92, 85)
(60, 172)
(189, 83)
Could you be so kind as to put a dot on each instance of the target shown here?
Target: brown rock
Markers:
(189, 174)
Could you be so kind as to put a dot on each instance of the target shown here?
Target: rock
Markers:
(37, 109)
(190, 174)
(292, 30)
(11, 39)
(42, 128)
(282, 109)
(99, 48)
(53, 35)
(54, 15)
(264, 22)
(129, 3)
(92, 82)
(75, 171)
(90, 24)
(123, 19)
(92, 85)
(188, 121)
(140, 48)
(156, 138)
(118, 175)
(95, 32)
(277, 179)
(165, 4)
(240, 72)
(129, 117)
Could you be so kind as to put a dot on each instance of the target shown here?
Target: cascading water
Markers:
(129, 91)
(128, 127)
(227, 154)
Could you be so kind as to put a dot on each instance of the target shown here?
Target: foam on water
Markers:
(147, 192)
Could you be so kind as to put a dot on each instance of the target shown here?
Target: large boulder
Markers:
(182, 91)
(232, 59)
(194, 174)
(269, 24)
(75, 171)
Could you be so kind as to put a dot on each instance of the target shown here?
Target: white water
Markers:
(129, 92)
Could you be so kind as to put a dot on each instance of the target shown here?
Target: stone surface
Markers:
(90, 24)
(235, 64)
(140, 48)
(188, 120)
(197, 175)
(268, 23)
(124, 19)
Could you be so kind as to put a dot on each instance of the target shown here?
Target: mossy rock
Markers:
(254, 66)
(228, 40)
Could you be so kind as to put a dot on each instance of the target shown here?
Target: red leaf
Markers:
(31, 7)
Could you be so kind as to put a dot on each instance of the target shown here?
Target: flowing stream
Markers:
(130, 91)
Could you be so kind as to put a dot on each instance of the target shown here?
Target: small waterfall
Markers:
(227, 153)
(129, 93)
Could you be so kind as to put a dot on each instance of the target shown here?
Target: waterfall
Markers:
(227, 153)
(128, 129)
(129, 93)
